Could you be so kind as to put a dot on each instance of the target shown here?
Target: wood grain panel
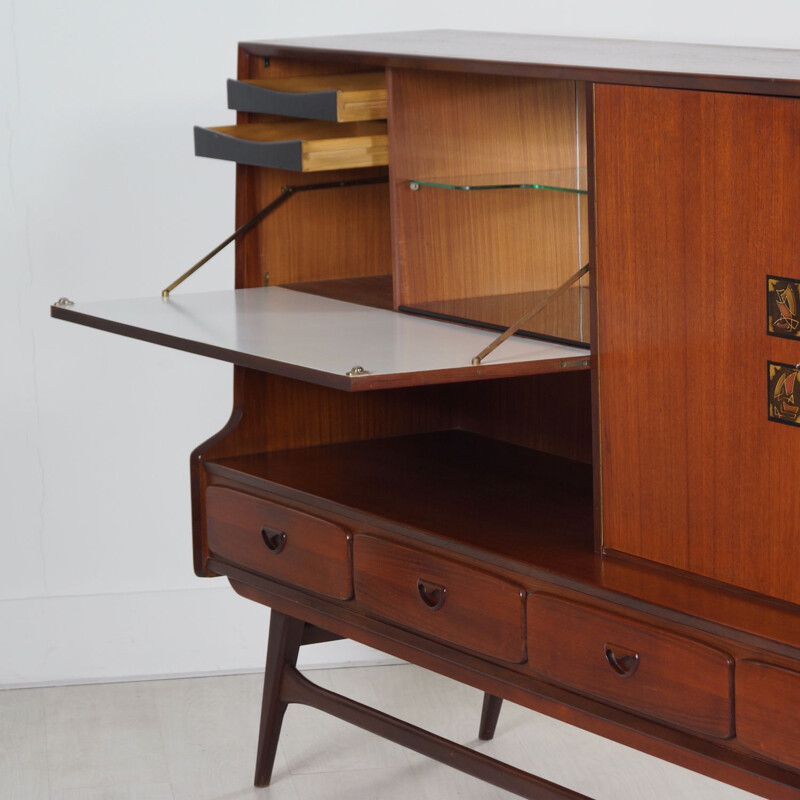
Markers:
(457, 244)
(549, 413)
(281, 413)
(767, 699)
(645, 668)
(690, 219)
(440, 597)
(306, 550)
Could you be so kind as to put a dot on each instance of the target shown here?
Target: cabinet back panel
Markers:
(543, 412)
(550, 413)
(281, 413)
(335, 233)
(451, 244)
(693, 189)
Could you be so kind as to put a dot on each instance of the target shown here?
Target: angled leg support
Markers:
(285, 638)
(283, 684)
(490, 713)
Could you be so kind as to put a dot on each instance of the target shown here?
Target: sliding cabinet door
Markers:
(697, 204)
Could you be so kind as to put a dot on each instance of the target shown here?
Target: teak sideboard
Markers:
(598, 518)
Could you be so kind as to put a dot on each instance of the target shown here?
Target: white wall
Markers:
(103, 198)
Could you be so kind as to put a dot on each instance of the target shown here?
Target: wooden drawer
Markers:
(279, 542)
(335, 98)
(440, 597)
(767, 716)
(307, 146)
(631, 664)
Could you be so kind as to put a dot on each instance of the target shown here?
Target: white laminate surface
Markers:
(319, 339)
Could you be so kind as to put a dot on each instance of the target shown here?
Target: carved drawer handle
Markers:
(623, 662)
(275, 540)
(432, 595)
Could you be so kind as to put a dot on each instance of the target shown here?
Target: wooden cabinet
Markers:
(594, 517)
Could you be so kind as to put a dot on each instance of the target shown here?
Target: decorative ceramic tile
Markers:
(783, 307)
(783, 400)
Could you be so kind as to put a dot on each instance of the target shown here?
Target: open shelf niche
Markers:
(514, 505)
(490, 197)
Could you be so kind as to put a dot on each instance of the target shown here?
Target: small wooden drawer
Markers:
(767, 717)
(440, 597)
(299, 146)
(279, 542)
(352, 97)
(631, 664)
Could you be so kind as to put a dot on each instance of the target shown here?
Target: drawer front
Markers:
(299, 146)
(767, 716)
(440, 597)
(279, 542)
(631, 664)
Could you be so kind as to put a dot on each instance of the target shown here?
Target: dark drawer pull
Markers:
(432, 595)
(275, 540)
(623, 662)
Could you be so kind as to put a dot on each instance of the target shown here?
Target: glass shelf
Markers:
(556, 180)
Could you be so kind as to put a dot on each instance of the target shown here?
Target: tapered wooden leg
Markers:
(285, 638)
(489, 716)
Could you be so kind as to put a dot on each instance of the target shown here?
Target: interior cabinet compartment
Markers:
(490, 194)
(281, 250)
(365, 290)
(307, 146)
(503, 503)
(351, 97)
(320, 340)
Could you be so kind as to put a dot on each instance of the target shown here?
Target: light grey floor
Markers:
(195, 739)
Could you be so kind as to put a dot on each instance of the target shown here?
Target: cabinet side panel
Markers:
(451, 244)
(696, 205)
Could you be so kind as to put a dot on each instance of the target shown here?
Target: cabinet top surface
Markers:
(725, 68)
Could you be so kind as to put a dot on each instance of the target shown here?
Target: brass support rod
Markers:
(285, 193)
(528, 314)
